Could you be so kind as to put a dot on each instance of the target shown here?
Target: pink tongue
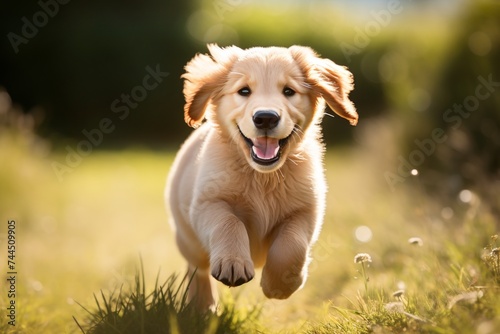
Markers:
(265, 148)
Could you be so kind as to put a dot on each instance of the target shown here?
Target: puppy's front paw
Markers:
(232, 270)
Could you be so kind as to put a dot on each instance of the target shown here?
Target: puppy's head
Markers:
(265, 99)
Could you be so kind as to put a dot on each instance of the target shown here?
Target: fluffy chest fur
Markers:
(262, 201)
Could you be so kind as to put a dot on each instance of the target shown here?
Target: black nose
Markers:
(266, 119)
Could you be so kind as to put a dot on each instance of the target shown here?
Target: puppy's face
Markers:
(264, 105)
(264, 99)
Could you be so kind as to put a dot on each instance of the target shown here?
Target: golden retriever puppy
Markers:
(247, 188)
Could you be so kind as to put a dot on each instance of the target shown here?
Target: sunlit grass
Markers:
(163, 310)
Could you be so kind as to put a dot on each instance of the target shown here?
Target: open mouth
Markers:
(265, 150)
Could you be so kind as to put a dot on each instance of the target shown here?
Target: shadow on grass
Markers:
(164, 310)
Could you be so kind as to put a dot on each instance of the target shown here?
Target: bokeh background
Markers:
(420, 66)
(412, 60)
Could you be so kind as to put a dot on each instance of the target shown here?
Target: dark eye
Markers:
(288, 91)
(245, 91)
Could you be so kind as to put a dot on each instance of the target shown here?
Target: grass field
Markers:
(85, 237)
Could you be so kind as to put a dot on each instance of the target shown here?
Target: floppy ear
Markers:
(204, 78)
(327, 79)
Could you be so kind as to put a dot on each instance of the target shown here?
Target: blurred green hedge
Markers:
(412, 62)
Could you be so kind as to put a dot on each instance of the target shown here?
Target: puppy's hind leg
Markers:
(202, 291)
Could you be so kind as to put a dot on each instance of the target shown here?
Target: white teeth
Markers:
(254, 149)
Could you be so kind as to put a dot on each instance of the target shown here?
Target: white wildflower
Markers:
(470, 297)
(398, 294)
(416, 241)
(362, 258)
